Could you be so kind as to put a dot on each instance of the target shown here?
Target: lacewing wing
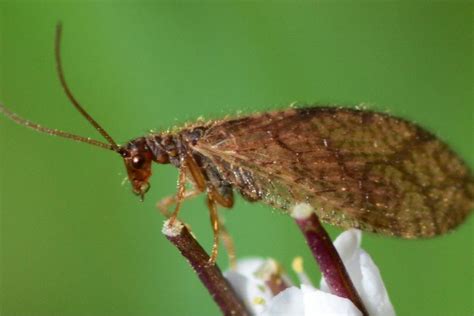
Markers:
(357, 168)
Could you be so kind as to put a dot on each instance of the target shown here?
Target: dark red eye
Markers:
(138, 161)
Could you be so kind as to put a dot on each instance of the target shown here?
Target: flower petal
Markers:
(372, 289)
(348, 243)
(248, 266)
(286, 303)
(317, 302)
(364, 274)
(252, 290)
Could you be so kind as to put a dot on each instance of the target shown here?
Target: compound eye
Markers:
(138, 161)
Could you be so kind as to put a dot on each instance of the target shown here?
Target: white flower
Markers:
(249, 281)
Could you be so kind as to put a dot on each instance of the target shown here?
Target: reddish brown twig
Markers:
(326, 255)
(210, 274)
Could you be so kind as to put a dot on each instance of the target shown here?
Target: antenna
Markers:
(59, 68)
(50, 131)
(56, 132)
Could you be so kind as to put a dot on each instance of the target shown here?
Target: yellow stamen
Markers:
(297, 264)
(258, 300)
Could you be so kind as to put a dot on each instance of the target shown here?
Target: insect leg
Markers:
(196, 173)
(199, 182)
(228, 242)
(211, 204)
(226, 201)
(164, 204)
(180, 193)
(214, 198)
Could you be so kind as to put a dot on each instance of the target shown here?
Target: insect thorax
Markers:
(177, 147)
(173, 147)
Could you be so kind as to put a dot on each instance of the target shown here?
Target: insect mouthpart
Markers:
(140, 189)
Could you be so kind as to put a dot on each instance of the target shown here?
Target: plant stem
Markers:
(326, 255)
(210, 274)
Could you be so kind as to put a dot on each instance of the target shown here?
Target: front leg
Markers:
(180, 192)
(187, 165)
(222, 195)
(164, 204)
(199, 185)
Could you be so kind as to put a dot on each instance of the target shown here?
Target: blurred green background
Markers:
(74, 241)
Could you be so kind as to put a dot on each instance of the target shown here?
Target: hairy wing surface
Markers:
(356, 168)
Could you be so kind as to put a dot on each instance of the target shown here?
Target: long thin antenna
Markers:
(69, 94)
(17, 119)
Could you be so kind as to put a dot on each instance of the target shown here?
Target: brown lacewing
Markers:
(357, 168)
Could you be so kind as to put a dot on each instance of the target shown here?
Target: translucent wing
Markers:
(356, 168)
